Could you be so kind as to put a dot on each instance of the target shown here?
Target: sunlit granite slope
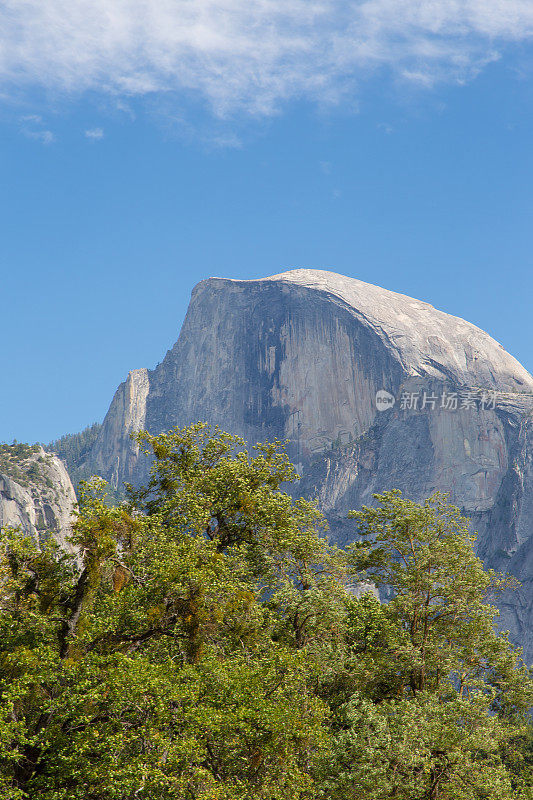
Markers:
(36, 494)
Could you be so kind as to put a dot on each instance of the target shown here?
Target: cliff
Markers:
(375, 390)
(36, 494)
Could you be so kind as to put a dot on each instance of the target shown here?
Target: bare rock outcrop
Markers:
(36, 494)
(114, 454)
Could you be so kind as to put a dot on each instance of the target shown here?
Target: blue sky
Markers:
(149, 146)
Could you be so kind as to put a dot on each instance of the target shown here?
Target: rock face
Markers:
(36, 494)
(114, 454)
(307, 355)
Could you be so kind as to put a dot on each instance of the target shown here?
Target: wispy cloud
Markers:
(32, 119)
(94, 134)
(250, 55)
(45, 137)
(33, 126)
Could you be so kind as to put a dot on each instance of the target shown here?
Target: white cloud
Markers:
(45, 137)
(32, 119)
(94, 133)
(32, 125)
(250, 55)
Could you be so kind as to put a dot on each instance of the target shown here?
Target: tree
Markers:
(204, 644)
(448, 707)
(165, 665)
(207, 483)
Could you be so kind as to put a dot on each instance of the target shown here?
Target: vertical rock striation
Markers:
(114, 454)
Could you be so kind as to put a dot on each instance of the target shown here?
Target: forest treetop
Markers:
(208, 644)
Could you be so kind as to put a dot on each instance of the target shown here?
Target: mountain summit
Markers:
(374, 390)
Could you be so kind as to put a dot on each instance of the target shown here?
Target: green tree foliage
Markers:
(20, 462)
(74, 449)
(205, 645)
(449, 694)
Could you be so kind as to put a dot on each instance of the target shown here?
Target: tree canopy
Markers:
(206, 642)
